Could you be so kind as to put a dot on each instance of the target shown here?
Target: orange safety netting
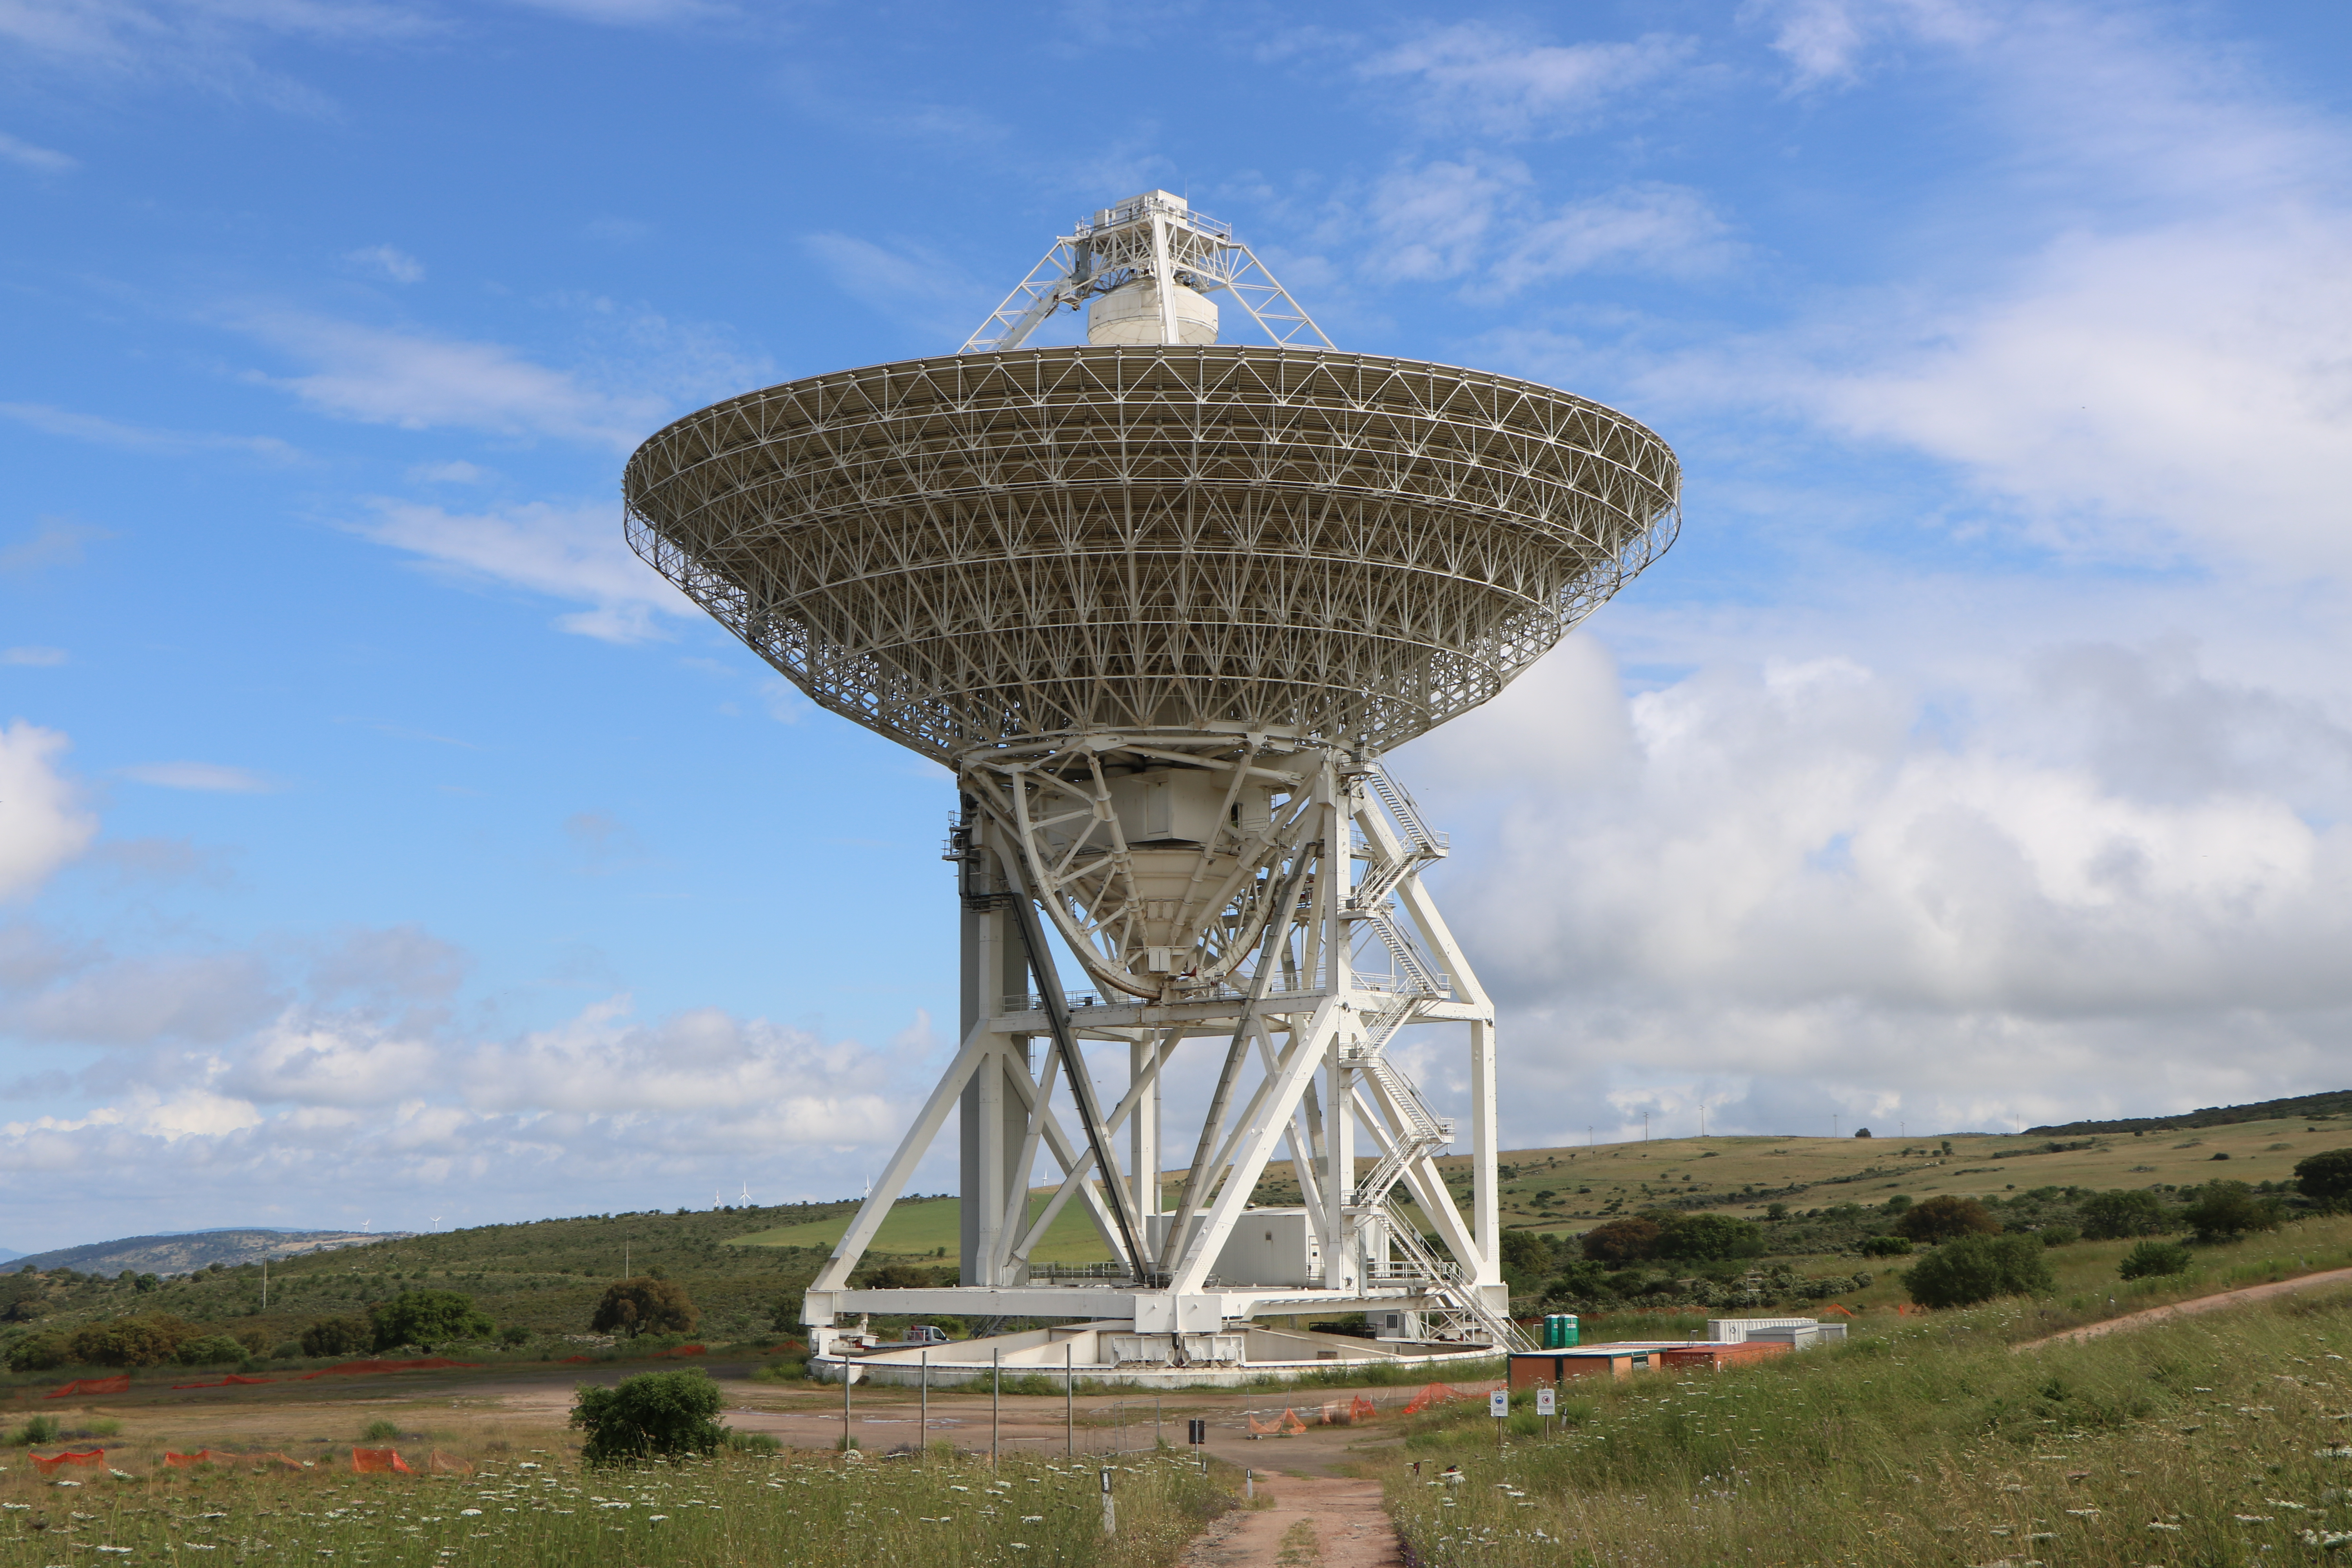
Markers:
(363, 1368)
(1362, 1409)
(119, 1384)
(443, 1464)
(571, 1358)
(201, 1456)
(683, 1349)
(1434, 1393)
(221, 1383)
(1289, 1424)
(47, 1462)
(1843, 1312)
(379, 1461)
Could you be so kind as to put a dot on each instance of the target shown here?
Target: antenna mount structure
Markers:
(1162, 604)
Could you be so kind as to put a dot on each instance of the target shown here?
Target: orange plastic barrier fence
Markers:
(571, 1358)
(683, 1349)
(220, 1382)
(442, 1464)
(187, 1461)
(1841, 1311)
(378, 1461)
(1433, 1394)
(288, 1460)
(47, 1462)
(364, 1368)
(119, 1384)
(1362, 1409)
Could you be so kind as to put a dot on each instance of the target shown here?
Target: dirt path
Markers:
(2192, 1307)
(1315, 1521)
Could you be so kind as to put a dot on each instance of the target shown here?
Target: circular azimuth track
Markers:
(968, 551)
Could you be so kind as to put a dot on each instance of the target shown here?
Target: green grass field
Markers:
(932, 1227)
(2218, 1440)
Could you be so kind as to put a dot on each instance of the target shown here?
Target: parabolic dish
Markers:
(974, 550)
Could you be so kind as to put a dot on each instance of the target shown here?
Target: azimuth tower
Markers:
(1163, 602)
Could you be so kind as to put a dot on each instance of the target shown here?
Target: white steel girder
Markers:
(1272, 978)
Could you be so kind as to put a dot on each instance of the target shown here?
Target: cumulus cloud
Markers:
(43, 823)
(575, 553)
(1788, 879)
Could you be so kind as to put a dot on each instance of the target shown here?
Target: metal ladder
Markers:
(1460, 1304)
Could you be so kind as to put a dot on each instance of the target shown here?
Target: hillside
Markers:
(189, 1251)
(2307, 1107)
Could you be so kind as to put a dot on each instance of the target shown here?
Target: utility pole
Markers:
(1645, 1127)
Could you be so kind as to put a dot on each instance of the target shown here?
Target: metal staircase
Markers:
(1458, 1305)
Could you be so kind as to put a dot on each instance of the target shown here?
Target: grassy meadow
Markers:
(2217, 1440)
(810, 1511)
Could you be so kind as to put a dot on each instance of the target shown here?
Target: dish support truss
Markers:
(1347, 951)
(1155, 236)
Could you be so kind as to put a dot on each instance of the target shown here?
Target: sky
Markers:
(380, 844)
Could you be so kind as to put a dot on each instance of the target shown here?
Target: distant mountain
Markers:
(8, 1252)
(191, 1250)
(2334, 1102)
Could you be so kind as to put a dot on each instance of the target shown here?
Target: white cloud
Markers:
(912, 285)
(40, 160)
(33, 658)
(214, 45)
(576, 553)
(43, 823)
(1480, 76)
(387, 262)
(458, 473)
(58, 543)
(419, 382)
(1667, 230)
(140, 1001)
(1436, 220)
(213, 778)
(1797, 879)
(106, 432)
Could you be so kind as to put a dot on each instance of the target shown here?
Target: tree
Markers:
(1885, 1246)
(2220, 1210)
(147, 1340)
(2153, 1258)
(634, 1307)
(1525, 1254)
(211, 1350)
(1943, 1217)
(653, 1415)
(1861, 1131)
(339, 1336)
(2119, 1216)
(1707, 1237)
(428, 1319)
(2326, 1177)
(41, 1351)
(1972, 1268)
(1622, 1240)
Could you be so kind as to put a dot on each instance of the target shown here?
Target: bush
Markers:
(643, 1305)
(2119, 1216)
(1973, 1268)
(379, 1431)
(39, 1353)
(653, 1415)
(338, 1336)
(514, 1336)
(2220, 1210)
(428, 1319)
(2326, 1177)
(148, 1340)
(1943, 1218)
(289, 1351)
(753, 1443)
(1885, 1246)
(210, 1350)
(781, 1371)
(1525, 1253)
(2059, 1234)
(1706, 1238)
(39, 1429)
(2150, 1258)
(1622, 1240)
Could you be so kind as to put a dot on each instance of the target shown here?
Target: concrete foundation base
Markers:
(1109, 1352)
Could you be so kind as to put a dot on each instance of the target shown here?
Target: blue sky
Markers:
(379, 842)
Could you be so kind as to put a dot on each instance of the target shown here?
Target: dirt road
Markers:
(2192, 1307)
(1314, 1521)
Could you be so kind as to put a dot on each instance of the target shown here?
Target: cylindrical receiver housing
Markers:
(1128, 317)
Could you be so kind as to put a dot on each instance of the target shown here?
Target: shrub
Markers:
(2150, 1258)
(1704, 1238)
(1973, 1268)
(428, 1319)
(289, 1351)
(2220, 1210)
(2059, 1234)
(210, 1350)
(1622, 1240)
(2119, 1216)
(1945, 1216)
(752, 1443)
(338, 1336)
(1885, 1246)
(634, 1307)
(653, 1415)
(2326, 1177)
(514, 1336)
(39, 1429)
(1525, 1253)
(781, 1371)
(39, 1353)
(148, 1340)
(379, 1431)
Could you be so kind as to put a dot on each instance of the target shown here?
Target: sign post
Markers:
(1547, 1407)
(1196, 1432)
(1110, 1517)
(1498, 1406)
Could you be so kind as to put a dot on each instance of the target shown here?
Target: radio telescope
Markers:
(1163, 602)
